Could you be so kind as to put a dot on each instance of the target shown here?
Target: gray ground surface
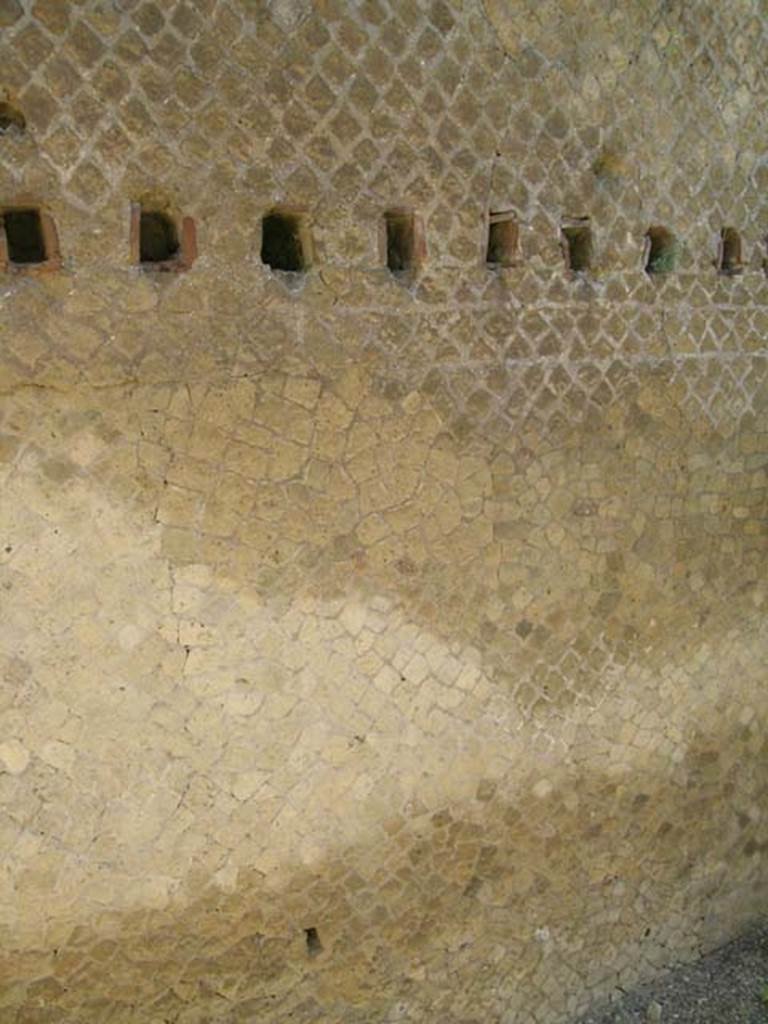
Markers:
(724, 987)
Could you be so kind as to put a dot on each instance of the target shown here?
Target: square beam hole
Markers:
(314, 945)
(661, 250)
(284, 242)
(24, 237)
(730, 259)
(503, 240)
(161, 241)
(158, 237)
(404, 246)
(29, 242)
(577, 245)
(11, 119)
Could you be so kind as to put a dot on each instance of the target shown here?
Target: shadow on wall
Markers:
(528, 877)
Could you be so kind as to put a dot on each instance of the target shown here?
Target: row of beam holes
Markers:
(285, 243)
(661, 246)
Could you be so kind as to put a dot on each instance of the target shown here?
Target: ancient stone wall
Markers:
(379, 646)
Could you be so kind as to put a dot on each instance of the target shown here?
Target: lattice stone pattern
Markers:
(380, 650)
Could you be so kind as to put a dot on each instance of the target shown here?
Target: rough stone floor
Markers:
(729, 986)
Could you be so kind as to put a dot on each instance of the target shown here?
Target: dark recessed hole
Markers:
(11, 119)
(662, 251)
(577, 247)
(314, 945)
(282, 243)
(158, 237)
(401, 242)
(730, 252)
(502, 240)
(24, 236)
